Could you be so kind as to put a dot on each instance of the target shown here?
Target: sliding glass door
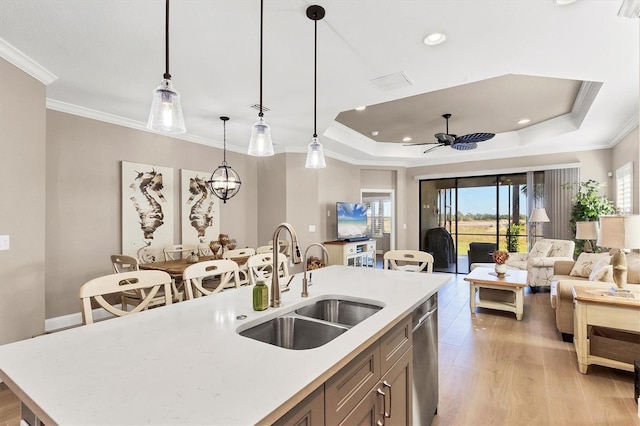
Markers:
(463, 220)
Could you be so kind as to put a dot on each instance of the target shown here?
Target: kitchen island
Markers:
(187, 364)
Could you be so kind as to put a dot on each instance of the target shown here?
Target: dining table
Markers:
(176, 268)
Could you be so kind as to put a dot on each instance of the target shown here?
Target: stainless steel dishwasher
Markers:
(425, 362)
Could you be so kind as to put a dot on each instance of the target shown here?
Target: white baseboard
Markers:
(73, 320)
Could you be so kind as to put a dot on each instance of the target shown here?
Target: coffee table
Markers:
(514, 281)
(596, 307)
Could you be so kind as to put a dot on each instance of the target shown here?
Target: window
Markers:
(379, 217)
(624, 189)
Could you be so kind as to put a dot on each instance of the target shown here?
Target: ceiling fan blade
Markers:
(464, 146)
(475, 137)
(432, 148)
(420, 143)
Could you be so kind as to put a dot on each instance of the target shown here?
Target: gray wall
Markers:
(67, 222)
(22, 203)
(83, 220)
(625, 151)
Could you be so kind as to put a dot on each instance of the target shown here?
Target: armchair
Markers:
(539, 261)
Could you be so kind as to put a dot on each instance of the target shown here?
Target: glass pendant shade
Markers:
(166, 112)
(224, 183)
(315, 155)
(260, 144)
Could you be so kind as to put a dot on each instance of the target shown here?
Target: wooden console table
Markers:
(596, 307)
(356, 253)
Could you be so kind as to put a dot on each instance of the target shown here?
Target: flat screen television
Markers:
(351, 219)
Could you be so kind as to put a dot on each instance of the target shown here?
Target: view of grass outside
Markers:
(484, 231)
(477, 210)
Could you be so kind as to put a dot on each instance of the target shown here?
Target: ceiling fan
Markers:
(462, 143)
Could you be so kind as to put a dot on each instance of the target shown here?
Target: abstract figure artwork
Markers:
(200, 209)
(147, 210)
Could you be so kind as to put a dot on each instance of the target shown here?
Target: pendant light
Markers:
(166, 112)
(260, 144)
(315, 155)
(224, 182)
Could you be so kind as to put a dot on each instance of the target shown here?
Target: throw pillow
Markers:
(585, 263)
(602, 263)
(540, 249)
(604, 274)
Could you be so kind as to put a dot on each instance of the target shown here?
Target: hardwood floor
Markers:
(494, 370)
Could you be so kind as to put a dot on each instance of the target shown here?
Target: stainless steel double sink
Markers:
(312, 325)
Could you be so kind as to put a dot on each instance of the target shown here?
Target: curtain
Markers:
(557, 201)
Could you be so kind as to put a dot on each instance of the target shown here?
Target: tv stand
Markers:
(352, 253)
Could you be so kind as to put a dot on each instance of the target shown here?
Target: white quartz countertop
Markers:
(186, 363)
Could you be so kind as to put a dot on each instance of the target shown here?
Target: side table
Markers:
(596, 307)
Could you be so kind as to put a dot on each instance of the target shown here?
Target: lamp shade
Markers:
(621, 232)
(260, 144)
(166, 111)
(539, 215)
(587, 230)
(315, 155)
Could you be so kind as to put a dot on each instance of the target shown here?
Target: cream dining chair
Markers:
(410, 260)
(178, 251)
(261, 266)
(264, 249)
(95, 290)
(204, 249)
(225, 272)
(237, 255)
(122, 263)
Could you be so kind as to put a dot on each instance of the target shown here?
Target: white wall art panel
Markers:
(147, 210)
(200, 209)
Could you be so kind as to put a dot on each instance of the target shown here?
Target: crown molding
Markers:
(628, 127)
(585, 98)
(25, 63)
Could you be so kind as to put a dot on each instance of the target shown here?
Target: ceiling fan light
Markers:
(315, 155)
(434, 39)
(260, 144)
(166, 111)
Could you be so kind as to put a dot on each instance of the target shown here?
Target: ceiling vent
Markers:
(392, 81)
(257, 107)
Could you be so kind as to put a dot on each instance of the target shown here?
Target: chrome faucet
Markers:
(295, 255)
(325, 258)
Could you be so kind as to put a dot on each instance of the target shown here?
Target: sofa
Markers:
(593, 270)
(539, 261)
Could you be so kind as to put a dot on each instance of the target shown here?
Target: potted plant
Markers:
(588, 205)
(513, 235)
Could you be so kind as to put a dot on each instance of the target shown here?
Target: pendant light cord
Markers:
(166, 42)
(224, 140)
(315, 75)
(260, 114)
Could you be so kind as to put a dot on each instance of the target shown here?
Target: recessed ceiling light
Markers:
(563, 2)
(406, 139)
(375, 133)
(434, 38)
(361, 108)
(524, 121)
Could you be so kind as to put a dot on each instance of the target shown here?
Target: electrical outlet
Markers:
(328, 213)
(312, 228)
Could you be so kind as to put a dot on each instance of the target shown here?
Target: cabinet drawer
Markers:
(353, 382)
(395, 343)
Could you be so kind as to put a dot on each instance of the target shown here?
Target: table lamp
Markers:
(619, 232)
(587, 231)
